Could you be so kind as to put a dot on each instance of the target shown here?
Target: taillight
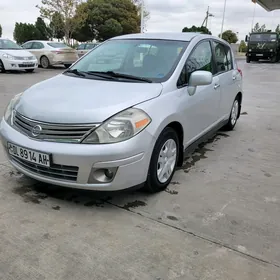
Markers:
(240, 72)
(56, 52)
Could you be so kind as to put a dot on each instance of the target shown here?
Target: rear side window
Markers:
(57, 45)
(37, 46)
(223, 57)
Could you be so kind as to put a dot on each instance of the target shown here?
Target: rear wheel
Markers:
(164, 161)
(233, 115)
(2, 67)
(44, 61)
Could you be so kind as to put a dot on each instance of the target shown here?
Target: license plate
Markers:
(29, 155)
(259, 54)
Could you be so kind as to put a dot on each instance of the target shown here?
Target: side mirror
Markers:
(246, 38)
(199, 78)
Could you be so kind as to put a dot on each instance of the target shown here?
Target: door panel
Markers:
(228, 77)
(201, 109)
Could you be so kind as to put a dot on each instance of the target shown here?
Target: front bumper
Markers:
(131, 159)
(20, 64)
(261, 54)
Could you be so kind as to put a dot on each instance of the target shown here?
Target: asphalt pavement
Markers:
(218, 220)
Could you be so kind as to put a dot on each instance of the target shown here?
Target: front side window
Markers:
(6, 44)
(151, 59)
(221, 57)
(27, 45)
(81, 47)
(200, 59)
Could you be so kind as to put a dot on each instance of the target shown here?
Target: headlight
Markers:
(120, 127)
(7, 56)
(271, 50)
(9, 110)
(250, 50)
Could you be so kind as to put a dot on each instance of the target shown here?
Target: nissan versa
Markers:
(125, 113)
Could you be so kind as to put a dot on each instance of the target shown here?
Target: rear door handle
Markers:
(216, 86)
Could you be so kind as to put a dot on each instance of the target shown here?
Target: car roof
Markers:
(43, 41)
(182, 36)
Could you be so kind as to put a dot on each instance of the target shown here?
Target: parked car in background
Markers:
(126, 113)
(85, 47)
(13, 57)
(51, 53)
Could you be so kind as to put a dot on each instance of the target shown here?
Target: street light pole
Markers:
(142, 16)
(222, 28)
(253, 20)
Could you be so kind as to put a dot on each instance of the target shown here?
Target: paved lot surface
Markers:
(219, 219)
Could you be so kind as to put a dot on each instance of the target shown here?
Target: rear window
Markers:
(57, 45)
(90, 46)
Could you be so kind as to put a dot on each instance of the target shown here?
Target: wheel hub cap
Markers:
(166, 161)
(234, 112)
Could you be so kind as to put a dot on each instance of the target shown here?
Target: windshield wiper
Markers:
(75, 72)
(120, 75)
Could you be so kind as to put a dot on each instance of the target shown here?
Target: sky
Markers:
(165, 15)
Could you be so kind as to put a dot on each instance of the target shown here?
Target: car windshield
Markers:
(263, 37)
(9, 45)
(57, 45)
(149, 59)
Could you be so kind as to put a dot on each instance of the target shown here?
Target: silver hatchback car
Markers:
(126, 113)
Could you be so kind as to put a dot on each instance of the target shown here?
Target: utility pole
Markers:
(142, 16)
(222, 28)
(205, 21)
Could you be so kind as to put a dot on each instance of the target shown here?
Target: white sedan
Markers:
(13, 57)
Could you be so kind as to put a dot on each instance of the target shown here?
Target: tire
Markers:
(67, 65)
(44, 62)
(2, 67)
(248, 60)
(234, 115)
(156, 182)
(274, 59)
(29, 70)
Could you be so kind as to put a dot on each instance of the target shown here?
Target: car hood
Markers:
(17, 52)
(65, 99)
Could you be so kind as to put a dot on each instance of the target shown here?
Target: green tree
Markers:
(43, 30)
(121, 16)
(201, 29)
(57, 26)
(67, 9)
(25, 32)
(242, 47)
(229, 36)
(0, 30)
(258, 28)
(278, 29)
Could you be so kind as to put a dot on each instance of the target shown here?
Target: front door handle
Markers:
(234, 78)
(216, 86)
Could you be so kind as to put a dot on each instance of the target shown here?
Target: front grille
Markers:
(24, 58)
(63, 133)
(56, 171)
(26, 65)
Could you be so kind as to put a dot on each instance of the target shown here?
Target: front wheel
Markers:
(164, 161)
(248, 60)
(67, 65)
(2, 67)
(233, 115)
(274, 59)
